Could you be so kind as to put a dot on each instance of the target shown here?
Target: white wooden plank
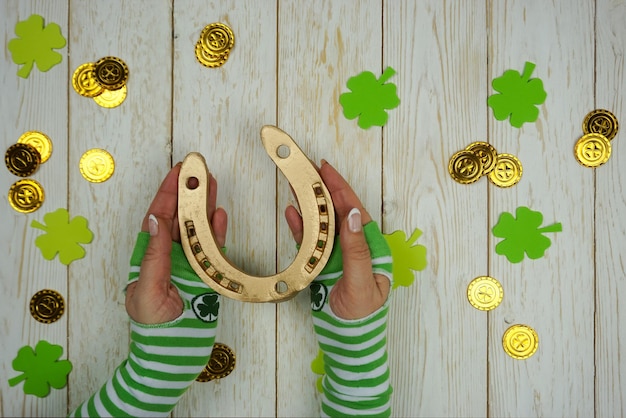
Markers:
(36, 103)
(321, 45)
(553, 294)
(610, 232)
(437, 339)
(137, 134)
(219, 112)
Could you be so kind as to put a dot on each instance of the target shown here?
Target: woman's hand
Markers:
(358, 292)
(153, 299)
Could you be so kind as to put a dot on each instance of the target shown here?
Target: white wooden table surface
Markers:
(290, 63)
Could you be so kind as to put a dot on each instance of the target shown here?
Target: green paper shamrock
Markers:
(41, 368)
(522, 234)
(62, 236)
(519, 96)
(35, 44)
(317, 366)
(369, 98)
(405, 256)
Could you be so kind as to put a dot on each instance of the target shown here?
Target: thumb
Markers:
(156, 265)
(357, 266)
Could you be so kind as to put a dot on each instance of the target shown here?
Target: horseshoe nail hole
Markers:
(281, 287)
(193, 183)
(283, 151)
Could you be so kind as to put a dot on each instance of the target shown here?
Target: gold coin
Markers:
(220, 365)
(207, 59)
(507, 172)
(26, 196)
(38, 140)
(520, 341)
(111, 98)
(97, 165)
(465, 167)
(485, 293)
(487, 154)
(217, 39)
(47, 306)
(22, 159)
(601, 121)
(84, 80)
(111, 73)
(592, 150)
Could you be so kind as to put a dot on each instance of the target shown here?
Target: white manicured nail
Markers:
(354, 220)
(153, 225)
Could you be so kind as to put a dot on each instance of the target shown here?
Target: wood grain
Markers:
(610, 207)
(137, 134)
(314, 66)
(435, 336)
(219, 112)
(290, 63)
(553, 294)
(35, 103)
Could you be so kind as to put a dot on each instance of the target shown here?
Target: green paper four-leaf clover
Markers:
(35, 44)
(522, 234)
(62, 236)
(41, 368)
(369, 98)
(317, 366)
(406, 257)
(519, 96)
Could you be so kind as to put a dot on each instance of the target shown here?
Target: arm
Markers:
(164, 359)
(173, 316)
(350, 304)
(356, 380)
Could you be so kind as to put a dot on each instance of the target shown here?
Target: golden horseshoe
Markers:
(206, 258)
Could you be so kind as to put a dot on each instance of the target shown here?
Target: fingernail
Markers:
(153, 225)
(354, 220)
(324, 162)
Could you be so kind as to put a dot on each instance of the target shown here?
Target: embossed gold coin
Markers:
(26, 196)
(84, 80)
(208, 60)
(220, 365)
(111, 73)
(47, 306)
(465, 167)
(97, 165)
(592, 150)
(507, 172)
(22, 159)
(217, 39)
(601, 121)
(487, 154)
(520, 341)
(38, 140)
(485, 293)
(111, 98)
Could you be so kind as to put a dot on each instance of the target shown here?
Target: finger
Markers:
(165, 202)
(344, 198)
(357, 265)
(211, 197)
(156, 264)
(219, 224)
(294, 220)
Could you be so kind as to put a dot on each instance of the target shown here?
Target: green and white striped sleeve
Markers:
(356, 380)
(164, 359)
